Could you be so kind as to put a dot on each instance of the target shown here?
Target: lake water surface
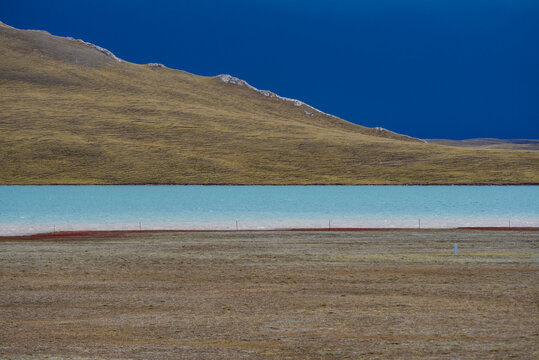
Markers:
(33, 209)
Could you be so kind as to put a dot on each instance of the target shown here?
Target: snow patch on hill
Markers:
(229, 79)
(104, 51)
(156, 65)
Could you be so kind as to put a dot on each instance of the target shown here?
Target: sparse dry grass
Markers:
(272, 295)
(70, 116)
(518, 144)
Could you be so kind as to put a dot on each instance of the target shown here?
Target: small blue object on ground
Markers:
(456, 249)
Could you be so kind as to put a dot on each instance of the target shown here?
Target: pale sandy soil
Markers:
(274, 295)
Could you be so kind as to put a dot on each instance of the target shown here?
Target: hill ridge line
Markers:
(225, 78)
(229, 79)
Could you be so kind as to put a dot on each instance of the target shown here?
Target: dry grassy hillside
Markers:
(487, 143)
(72, 114)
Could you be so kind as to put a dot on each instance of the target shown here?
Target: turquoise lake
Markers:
(34, 209)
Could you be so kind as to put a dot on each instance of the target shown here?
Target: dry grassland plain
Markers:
(272, 295)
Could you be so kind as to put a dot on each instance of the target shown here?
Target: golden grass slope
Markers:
(488, 143)
(70, 114)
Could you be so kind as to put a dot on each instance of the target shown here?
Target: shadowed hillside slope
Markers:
(73, 113)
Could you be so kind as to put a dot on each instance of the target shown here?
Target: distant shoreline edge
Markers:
(103, 234)
(306, 184)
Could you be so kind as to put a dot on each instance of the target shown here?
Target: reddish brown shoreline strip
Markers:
(68, 235)
(502, 228)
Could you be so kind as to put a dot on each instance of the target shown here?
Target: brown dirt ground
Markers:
(274, 295)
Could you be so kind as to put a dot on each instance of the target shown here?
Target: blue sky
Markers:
(427, 68)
